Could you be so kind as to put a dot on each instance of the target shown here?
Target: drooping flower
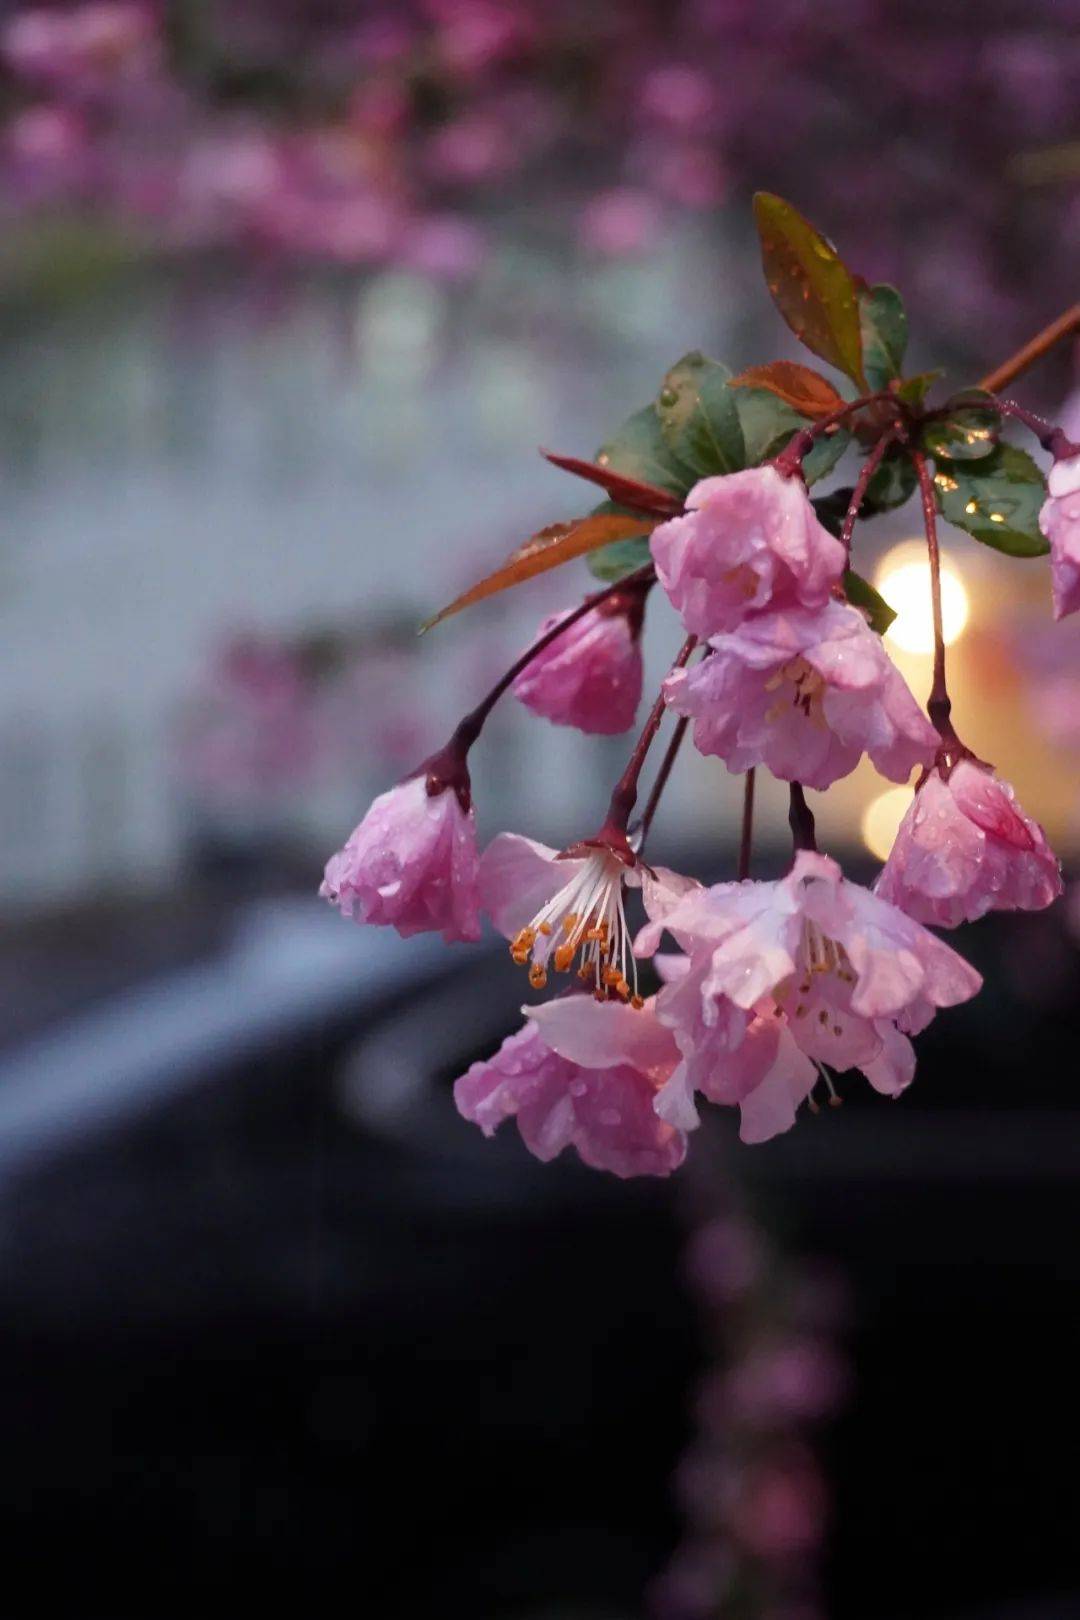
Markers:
(581, 1074)
(834, 977)
(567, 908)
(806, 693)
(1059, 520)
(412, 862)
(750, 540)
(965, 848)
(590, 676)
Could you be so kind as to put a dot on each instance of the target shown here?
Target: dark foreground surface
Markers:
(290, 1330)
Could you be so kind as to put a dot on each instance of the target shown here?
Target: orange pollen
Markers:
(564, 955)
(537, 976)
(637, 1002)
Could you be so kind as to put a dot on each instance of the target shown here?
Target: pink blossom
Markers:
(832, 974)
(806, 693)
(590, 676)
(251, 730)
(620, 223)
(581, 1074)
(965, 848)
(86, 48)
(567, 908)
(777, 1383)
(748, 541)
(411, 863)
(1060, 522)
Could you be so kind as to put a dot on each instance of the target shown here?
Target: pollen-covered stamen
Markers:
(807, 690)
(584, 924)
(821, 982)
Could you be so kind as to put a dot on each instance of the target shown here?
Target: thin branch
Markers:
(746, 839)
(1066, 325)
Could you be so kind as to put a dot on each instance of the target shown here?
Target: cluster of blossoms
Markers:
(775, 987)
(326, 135)
(751, 1486)
(271, 716)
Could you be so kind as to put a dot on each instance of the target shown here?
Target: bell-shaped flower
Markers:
(964, 848)
(807, 693)
(1059, 520)
(748, 541)
(412, 862)
(591, 675)
(827, 976)
(581, 1074)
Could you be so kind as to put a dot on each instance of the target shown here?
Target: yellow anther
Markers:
(564, 955)
(537, 976)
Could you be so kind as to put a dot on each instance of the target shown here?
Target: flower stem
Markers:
(746, 839)
(801, 820)
(862, 483)
(790, 459)
(939, 706)
(1052, 438)
(662, 775)
(1065, 326)
(624, 793)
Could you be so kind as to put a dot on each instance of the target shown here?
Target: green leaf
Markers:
(893, 483)
(810, 284)
(615, 561)
(883, 323)
(997, 500)
(913, 390)
(861, 594)
(969, 432)
(698, 416)
(768, 423)
(640, 451)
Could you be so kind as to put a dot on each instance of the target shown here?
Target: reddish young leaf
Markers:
(806, 391)
(626, 491)
(810, 284)
(549, 548)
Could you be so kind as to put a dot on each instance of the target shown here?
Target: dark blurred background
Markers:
(289, 294)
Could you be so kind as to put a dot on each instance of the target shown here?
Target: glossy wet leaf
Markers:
(861, 594)
(622, 557)
(549, 548)
(997, 500)
(810, 285)
(913, 390)
(883, 325)
(967, 433)
(767, 425)
(893, 483)
(806, 391)
(631, 492)
(639, 450)
(698, 418)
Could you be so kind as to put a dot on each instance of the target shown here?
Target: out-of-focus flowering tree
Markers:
(397, 132)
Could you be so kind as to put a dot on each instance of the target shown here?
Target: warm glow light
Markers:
(903, 578)
(882, 817)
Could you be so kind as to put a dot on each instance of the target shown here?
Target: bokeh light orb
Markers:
(881, 817)
(903, 578)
